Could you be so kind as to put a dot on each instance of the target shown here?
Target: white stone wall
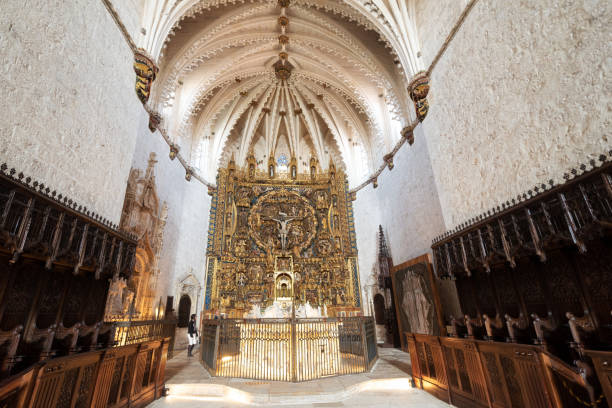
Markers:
(184, 248)
(366, 211)
(522, 95)
(434, 21)
(409, 205)
(130, 13)
(69, 110)
(406, 205)
(191, 246)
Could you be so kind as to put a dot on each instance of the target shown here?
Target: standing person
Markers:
(192, 333)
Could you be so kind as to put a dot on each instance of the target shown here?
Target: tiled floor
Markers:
(387, 385)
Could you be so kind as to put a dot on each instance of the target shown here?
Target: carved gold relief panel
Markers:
(275, 238)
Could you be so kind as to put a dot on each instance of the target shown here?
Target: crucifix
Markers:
(283, 228)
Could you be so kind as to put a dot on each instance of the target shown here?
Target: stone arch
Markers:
(189, 285)
(184, 310)
(379, 308)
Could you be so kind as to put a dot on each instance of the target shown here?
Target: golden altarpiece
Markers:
(281, 239)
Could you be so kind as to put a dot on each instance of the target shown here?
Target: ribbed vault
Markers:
(345, 98)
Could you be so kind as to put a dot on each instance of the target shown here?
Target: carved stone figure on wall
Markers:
(146, 71)
(127, 302)
(145, 217)
(419, 88)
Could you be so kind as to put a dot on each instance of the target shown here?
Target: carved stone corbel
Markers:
(146, 71)
(418, 89)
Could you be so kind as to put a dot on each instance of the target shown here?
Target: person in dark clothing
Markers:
(192, 333)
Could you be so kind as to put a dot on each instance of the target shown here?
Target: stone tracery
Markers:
(345, 83)
(145, 217)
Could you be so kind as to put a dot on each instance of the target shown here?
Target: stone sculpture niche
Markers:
(145, 217)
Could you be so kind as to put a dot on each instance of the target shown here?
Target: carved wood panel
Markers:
(561, 277)
(484, 293)
(529, 286)
(50, 299)
(19, 297)
(596, 270)
(76, 300)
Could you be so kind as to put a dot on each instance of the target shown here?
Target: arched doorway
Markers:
(379, 309)
(184, 310)
(284, 286)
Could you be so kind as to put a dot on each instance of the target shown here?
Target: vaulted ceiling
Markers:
(345, 98)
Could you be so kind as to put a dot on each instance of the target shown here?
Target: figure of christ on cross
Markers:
(283, 226)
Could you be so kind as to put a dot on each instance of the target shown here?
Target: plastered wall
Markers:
(522, 95)
(130, 12)
(184, 247)
(69, 110)
(366, 211)
(406, 205)
(408, 200)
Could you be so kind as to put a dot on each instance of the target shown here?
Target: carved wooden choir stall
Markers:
(534, 283)
(57, 259)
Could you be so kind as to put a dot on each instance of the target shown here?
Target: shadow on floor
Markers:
(405, 367)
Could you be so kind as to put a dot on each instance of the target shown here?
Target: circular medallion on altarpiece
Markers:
(282, 220)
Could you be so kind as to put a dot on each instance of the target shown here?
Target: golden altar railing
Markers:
(288, 349)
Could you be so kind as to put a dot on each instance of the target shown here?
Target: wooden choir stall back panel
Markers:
(533, 278)
(127, 376)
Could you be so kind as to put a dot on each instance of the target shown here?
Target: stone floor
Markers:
(387, 385)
